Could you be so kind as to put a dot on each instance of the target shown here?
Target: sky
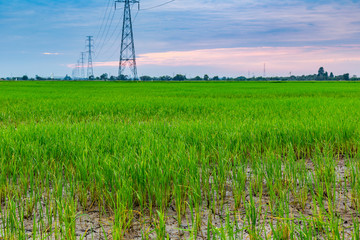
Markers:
(192, 37)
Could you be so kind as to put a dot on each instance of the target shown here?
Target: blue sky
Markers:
(192, 37)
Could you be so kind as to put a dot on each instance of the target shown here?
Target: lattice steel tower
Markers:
(82, 64)
(90, 42)
(127, 52)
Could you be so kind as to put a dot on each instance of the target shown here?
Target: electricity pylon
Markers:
(90, 70)
(264, 70)
(82, 64)
(78, 69)
(127, 52)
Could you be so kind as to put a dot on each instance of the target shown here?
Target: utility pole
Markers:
(82, 65)
(127, 52)
(90, 42)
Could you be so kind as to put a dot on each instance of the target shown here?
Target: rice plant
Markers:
(226, 160)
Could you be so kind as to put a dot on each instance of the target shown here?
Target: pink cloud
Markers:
(49, 53)
(279, 60)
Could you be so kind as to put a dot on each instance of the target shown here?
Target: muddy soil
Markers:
(94, 224)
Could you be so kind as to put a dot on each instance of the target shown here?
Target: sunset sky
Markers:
(192, 37)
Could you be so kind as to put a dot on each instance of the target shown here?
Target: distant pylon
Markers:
(74, 73)
(127, 52)
(264, 70)
(78, 69)
(82, 65)
(90, 70)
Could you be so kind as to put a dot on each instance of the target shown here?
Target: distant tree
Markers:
(179, 77)
(145, 78)
(331, 75)
(321, 74)
(216, 78)
(91, 77)
(104, 76)
(165, 78)
(241, 78)
(326, 76)
(197, 78)
(346, 76)
(122, 77)
(206, 77)
(112, 78)
(25, 77)
(260, 78)
(37, 77)
(67, 77)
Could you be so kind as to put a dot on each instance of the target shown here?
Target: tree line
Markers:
(322, 75)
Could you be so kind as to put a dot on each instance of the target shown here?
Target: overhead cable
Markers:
(160, 5)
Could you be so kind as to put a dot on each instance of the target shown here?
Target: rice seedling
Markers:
(179, 160)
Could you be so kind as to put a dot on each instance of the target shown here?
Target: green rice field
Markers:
(189, 160)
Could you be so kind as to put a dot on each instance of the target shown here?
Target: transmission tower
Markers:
(90, 42)
(127, 52)
(82, 64)
(264, 70)
(74, 73)
(77, 69)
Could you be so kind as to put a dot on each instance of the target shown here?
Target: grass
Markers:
(233, 160)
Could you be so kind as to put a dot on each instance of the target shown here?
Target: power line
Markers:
(111, 48)
(137, 13)
(127, 53)
(106, 28)
(104, 40)
(160, 5)
(103, 18)
(115, 40)
(99, 51)
(113, 53)
(134, 19)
